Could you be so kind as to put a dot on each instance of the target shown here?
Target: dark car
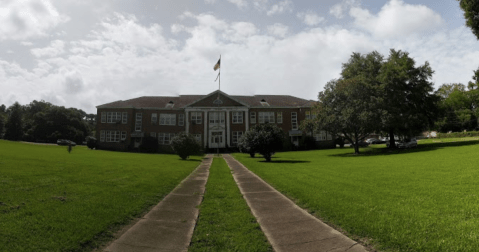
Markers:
(65, 142)
(374, 141)
(361, 144)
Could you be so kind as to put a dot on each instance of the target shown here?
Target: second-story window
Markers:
(154, 118)
(138, 122)
(124, 117)
(167, 119)
(252, 117)
(266, 117)
(279, 117)
(237, 117)
(181, 120)
(294, 120)
(196, 117)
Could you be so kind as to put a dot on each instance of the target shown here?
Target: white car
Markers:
(408, 143)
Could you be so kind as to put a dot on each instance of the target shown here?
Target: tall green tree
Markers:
(409, 105)
(14, 125)
(471, 14)
(346, 106)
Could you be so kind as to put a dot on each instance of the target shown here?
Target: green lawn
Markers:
(51, 200)
(225, 222)
(425, 199)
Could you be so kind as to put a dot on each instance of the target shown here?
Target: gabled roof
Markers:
(182, 101)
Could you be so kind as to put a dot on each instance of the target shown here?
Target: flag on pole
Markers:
(217, 65)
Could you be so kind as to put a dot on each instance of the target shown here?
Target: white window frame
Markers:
(196, 117)
(294, 120)
(217, 117)
(279, 117)
(165, 138)
(237, 117)
(102, 136)
(181, 119)
(123, 135)
(103, 117)
(113, 117)
(308, 114)
(265, 117)
(153, 134)
(124, 117)
(252, 117)
(138, 120)
(154, 118)
(167, 119)
(235, 136)
(197, 138)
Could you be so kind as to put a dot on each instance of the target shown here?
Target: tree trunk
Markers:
(267, 157)
(392, 142)
(251, 154)
(356, 145)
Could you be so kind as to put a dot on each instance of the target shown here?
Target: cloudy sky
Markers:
(84, 53)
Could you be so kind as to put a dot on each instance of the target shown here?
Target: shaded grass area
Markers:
(423, 199)
(51, 200)
(225, 222)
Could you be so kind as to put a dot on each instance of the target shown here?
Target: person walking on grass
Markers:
(69, 146)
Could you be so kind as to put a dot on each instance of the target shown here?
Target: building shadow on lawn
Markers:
(419, 148)
(285, 161)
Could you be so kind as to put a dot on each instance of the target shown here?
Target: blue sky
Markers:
(86, 53)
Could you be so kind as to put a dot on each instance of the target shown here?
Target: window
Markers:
(279, 117)
(196, 117)
(110, 136)
(320, 136)
(197, 138)
(181, 120)
(266, 117)
(154, 118)
(237, 117)
(252, 117)
(113, 117)
(217, 117)
(138, 122)
(308, 115)
(294, 120)
(165, 138)
(167, 119)
(236, 136)
(124, 117)
(123, 135)
(103, 117)
(153, 134)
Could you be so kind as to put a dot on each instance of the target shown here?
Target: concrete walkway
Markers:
(169, 225)
(287, 226)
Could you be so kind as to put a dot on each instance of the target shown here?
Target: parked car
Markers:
(65, 142)
(374, 141)
(407, 143)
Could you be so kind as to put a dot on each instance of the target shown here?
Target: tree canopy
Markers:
(471, 14)
(375, 94)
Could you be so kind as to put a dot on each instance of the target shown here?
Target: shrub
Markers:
(265, 139)
(149, 145)
(185, 145)
(307, 143)
(91, 142)
(246, 143)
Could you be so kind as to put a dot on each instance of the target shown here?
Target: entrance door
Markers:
(217, 139)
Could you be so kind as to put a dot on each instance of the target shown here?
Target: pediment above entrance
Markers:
(217, 99)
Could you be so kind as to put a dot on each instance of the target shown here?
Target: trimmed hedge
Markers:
(458, 134)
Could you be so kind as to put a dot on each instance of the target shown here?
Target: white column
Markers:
(205, 114)
(228, 128)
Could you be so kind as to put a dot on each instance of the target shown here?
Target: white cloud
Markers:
(239, 3)
(26, 43)
(397, 19)
(338, 9)
(281, 7)
(210, 1)
(310, 18)
(28, 18)
(278, 29)
(123, 59)
(56, 48)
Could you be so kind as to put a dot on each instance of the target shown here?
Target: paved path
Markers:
(287, 226)
(169, 225)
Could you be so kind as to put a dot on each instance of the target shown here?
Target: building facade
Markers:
(216, 120)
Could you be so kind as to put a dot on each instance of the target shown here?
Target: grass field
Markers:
(225, 222)
(424, 199)
(51, 200)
